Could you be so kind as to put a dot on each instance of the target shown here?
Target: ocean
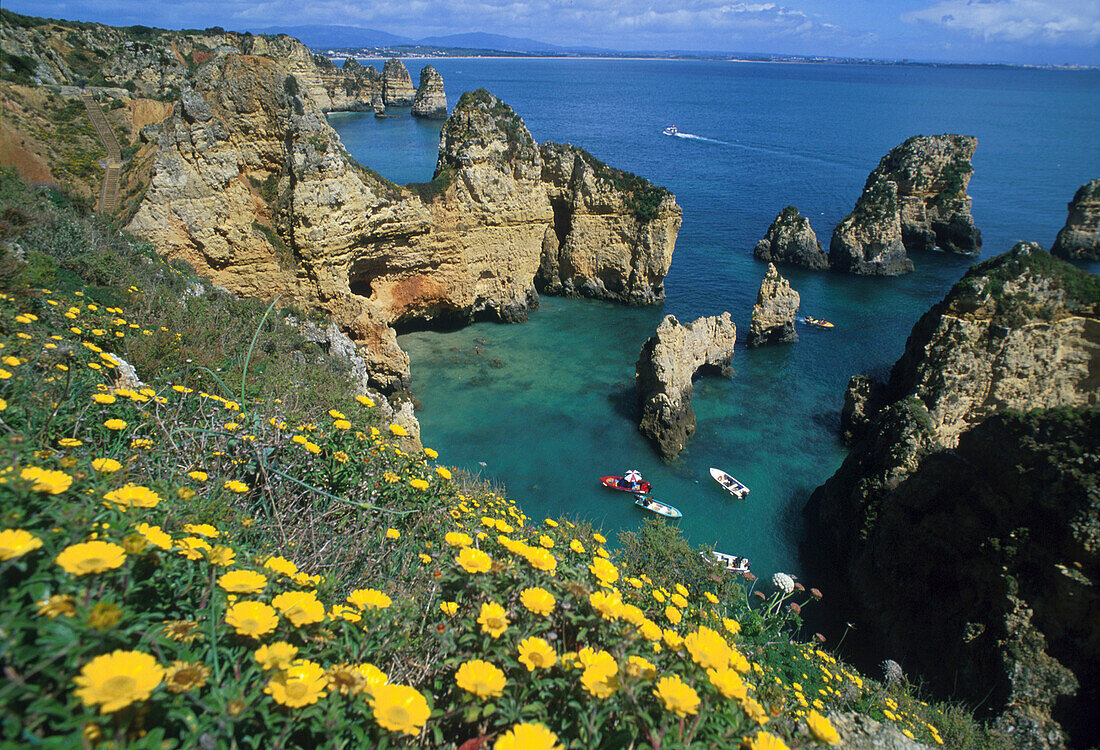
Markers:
(547, 407)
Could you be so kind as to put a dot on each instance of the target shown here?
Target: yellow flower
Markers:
(679, 601)
(576, 546)
(493, 619)
(610, 606)
(181, 630)
(393, 534)
(202, 529)
(540, 559)
(823, 729)
(728, 682)
(536, 653)
(637, 666)
(103, 398)
(678, 697)
(341, 457)
(69, 442)
(44, 480)
(106, 465)
(449, 608)
(300, 607)
(185, 675)
(311, 447)
(57, 605)
(443, 472)
(16, 543)
(673, 615)
(710, 597)
(528, 737)
(601, 679)
(672, 639)
(252, 618)
(604, 571)
(276, 656)
(342, 424)
(400, 708)
(221, 556)
(364, 400)
(345, 679)
(192, 547)
(91, 557)
(281, 565)
(755, 711)
(133, 496)
(708, 649)
(537, 600)
(390, 477)
(474, 560)
(344, 612)
(650, 630)
(300, 684)
(115, 424)
(458, 539)
(480, 678)
(155, 536)
(418, 484)
(235, 486)
(398, 430)
(104, 616)
(198, 476)
(373, 677)
(546, 541)
(242, 581)
(369, 599)
(115, 680)
(732, 626)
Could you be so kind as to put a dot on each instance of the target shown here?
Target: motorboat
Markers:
(656, 506)
(733, 486)
(732, 563)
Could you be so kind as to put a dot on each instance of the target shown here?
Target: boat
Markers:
(621, 484)
(818, 322)
(732, 563)
(733, 486)
(671, 130)
(656, 506)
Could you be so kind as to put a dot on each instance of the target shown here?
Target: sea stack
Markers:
(773, 314)
(431, 99)
(397, 87)
(974, 473)
(914, 200)
(790, 240)
(668, 361)
(1079, 239)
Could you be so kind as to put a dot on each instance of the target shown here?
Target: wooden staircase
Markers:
(108, 196)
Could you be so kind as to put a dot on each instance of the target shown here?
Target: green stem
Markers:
(256, 335)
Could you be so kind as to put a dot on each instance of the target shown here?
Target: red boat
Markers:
(619, 483)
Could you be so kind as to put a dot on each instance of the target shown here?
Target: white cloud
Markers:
(1072, 22)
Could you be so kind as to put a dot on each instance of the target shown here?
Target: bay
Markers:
(547, 407)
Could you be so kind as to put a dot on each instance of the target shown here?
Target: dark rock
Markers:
(774, 312)
(668, 361)
(862, 400)
(790, 240)
(869, 240)
(431, 99)
(1079, 239)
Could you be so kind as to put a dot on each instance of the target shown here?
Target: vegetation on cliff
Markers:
(239, 553)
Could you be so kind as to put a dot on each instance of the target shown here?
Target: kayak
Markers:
(656, 506)
(618, 483)
(818, 323)
(733, 486)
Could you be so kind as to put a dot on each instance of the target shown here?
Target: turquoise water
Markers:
(548, 406)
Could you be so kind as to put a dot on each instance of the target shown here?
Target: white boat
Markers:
(656, 506)
(733, 486)
(671, 130)
(732, 563)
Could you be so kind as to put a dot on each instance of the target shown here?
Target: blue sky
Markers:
(1013, 31)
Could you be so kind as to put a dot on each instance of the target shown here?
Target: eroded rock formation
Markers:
(668, 362)
(915, 199)
(1079, 239)
(397, 87)
(951, 488)
(774, 311)
(791, 240)
(431, 99)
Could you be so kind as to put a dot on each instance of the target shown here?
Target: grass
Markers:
(406, 592)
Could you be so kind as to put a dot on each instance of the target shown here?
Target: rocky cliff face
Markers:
(1079, 239)
(663, 376)
(931, 498)
(397, 87)
(431, 99)
(790, 240)
(774, 311)
(914, 200)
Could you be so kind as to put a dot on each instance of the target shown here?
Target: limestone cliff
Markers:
(932, 495)
(668, 362)
(431, 99)
(790, 240)
(1079, 239)
(397, 87)
(915, 199)
(774, 311)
